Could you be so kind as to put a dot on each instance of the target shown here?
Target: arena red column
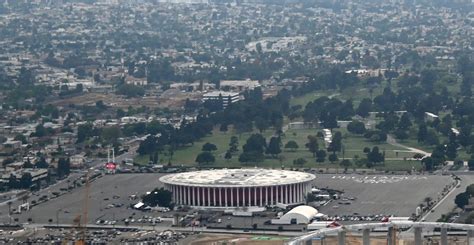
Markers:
(225, 195)
(214, 196)
(220, 196)
(266, 195)
(250, 198)
(238, 196)
(271, 195)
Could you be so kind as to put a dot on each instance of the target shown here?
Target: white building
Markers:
(227, 97)
(234, 188)
(239, 85)
(300, 215)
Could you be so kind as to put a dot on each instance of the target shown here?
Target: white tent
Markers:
(299, 215)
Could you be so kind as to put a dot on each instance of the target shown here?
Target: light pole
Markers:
(10, 211)
(57, 217)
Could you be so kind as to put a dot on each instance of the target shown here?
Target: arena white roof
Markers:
(237, 177)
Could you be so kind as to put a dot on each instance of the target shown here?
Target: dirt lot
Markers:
(173, 99)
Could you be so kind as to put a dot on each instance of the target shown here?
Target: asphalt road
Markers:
(447, 204)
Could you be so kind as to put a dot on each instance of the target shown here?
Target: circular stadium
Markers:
(238, 187)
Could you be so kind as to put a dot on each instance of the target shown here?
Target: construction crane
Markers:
(80, 222)
(85, 210)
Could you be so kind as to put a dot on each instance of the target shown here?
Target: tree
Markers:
(312, 144)
(422, 133)
(346, 164)
(26, 180)
(375, 156)
(438, 155)
(228, 155)
(224, 127)
(253, 149)
(320, 156)
(299, 161)
(256, 142)
(274, 147)
(401, 134)
(84, 131)
(100, 105)
(333, 158)
(356, 127)
(40, 131)
(251, 156)
(462, 199)
(13, 182)
(41, 163)
(336, 143)
(158, 197)
(110, 135)
(20, 137)
(243, 126)
(209, 147)
(130, 90)
(431, 138)
(364, 108)
(451, 147)
(470, 163)
(404, 122)
(428, 164)
(470, 189)
(234, 144)
(148, 146)
(205, 157)
(261, 124)
(64, 167)
(292, 145)
(330, 121)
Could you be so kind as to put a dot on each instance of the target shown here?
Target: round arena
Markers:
(238, 187)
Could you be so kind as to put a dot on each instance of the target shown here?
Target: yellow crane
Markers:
(80, 222)
(85, 210)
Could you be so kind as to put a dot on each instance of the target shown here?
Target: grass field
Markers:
(353, 146)
(356, 93)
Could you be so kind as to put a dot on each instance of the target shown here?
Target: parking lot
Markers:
(108, 200)
(397, 195)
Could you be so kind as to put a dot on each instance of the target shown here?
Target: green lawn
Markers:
(305, 99)
(187, 155)
(356, 93)
(353, 145)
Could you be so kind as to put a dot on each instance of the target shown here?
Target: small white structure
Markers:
(300, 215)
(429, 117)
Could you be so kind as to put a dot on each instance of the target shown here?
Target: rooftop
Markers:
(221, 93)
(237, 177)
